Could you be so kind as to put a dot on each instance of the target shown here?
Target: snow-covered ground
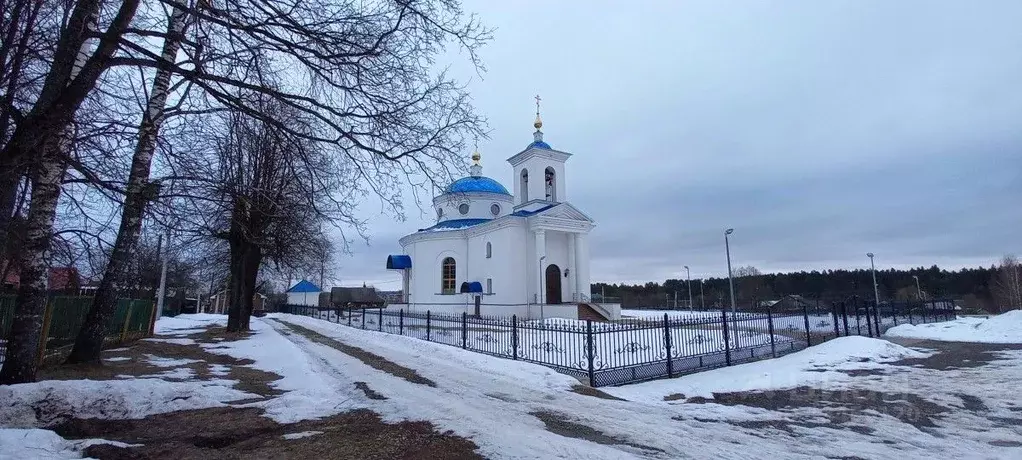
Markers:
(1003, 328)
(814, 365)
(472, 388)
(514, 409)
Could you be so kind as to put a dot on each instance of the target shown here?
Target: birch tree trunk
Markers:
(89, 342)
(23, 347)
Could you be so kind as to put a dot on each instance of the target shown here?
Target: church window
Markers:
(439, 212)
(489, 250)
(495, 209)
(551, 184)
(525, 185)
(489, 285)
(448, 269)
(463, 209)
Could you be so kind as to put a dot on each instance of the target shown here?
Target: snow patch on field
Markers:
(303, 434)
(42, 404)
(160, 361)
(1003, 328)
(177, 341)
(813, 366)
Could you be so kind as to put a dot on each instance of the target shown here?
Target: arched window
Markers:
(447, 276)
(551, 184)
(489, 250)
(525, 185)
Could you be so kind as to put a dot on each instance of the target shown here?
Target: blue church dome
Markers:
(539, 145)
(476, 184)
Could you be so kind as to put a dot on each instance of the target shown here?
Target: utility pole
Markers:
(702, 298)
(872, 266)
(919, 292)
(163, 280)
(688, 282)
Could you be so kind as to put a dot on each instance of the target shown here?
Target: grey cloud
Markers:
(819, 130)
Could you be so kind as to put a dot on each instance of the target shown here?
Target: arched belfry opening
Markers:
(524, 185)
(550, 181)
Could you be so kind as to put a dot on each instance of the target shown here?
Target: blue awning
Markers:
(472, 287)
(398, 262)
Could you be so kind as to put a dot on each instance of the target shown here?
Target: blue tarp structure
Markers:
(398, 262)
(304, 286)
(472, 287)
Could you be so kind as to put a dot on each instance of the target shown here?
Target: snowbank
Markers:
(43, 403)
(811, 366)
(44, 444)
(1003, 328)
(190, 323)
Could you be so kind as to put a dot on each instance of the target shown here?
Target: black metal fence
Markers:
(644, 348)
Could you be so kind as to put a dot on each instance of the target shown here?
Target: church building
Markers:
(494, 253)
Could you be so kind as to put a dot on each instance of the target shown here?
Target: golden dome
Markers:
(476, 156)
(538, 123)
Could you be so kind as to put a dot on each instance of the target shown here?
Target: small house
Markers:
(304, 293)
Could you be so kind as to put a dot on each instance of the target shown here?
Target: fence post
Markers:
(908, 306)
(427, 325)
(47, 319)
(833, 311)
(770, 326)
(844, 316)
(667, 345)
(381, 320)
(401, 322)
(590, 353)
(464, 329)
(514, 337)
(894, 312)
(152, 319)
(364, 318)
(127, 320)
(727, 344)
(805, 316)
(349, 317)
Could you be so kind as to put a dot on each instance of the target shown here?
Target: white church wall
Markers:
(503, 266)
(479, 205)
(557, 254)
(427, 257)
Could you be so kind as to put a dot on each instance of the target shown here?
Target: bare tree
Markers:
(1006, 286)
(139, 192)
(750, 284)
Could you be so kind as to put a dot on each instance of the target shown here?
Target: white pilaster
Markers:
(540, 252)
(582, 284)
(572, 275)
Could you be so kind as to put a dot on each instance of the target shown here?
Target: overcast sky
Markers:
(819, 130)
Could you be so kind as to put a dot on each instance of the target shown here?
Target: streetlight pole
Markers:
(872, 266)
(730, 281)
(688, 283)
(919, 292)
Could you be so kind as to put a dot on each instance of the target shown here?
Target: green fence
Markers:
(65, 315)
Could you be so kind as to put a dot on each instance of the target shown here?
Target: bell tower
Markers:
(538, 170)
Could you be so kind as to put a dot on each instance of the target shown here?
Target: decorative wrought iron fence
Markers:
(638, 349)
(64, 316)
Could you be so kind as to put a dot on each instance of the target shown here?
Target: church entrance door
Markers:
(553, 284)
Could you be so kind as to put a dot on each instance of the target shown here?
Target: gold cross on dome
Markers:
(537, 104)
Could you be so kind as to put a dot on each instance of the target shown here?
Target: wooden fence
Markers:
(64, 317)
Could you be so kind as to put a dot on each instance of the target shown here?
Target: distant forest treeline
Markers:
(975, 287)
